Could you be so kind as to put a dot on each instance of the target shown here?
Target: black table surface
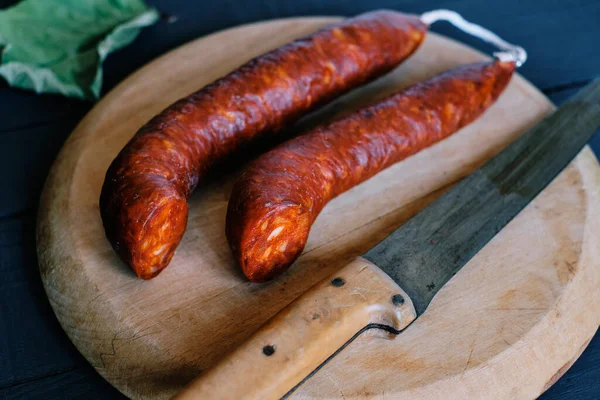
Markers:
(37, 360)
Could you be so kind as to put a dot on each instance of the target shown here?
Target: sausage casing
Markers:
(277, 198)
(143, 203)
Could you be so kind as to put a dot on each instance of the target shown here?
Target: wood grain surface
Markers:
(505, 326)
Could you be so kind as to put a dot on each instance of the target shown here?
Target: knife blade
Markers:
(394, 282)
(423, 254)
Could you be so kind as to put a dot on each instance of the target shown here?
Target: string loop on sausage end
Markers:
(510, 52)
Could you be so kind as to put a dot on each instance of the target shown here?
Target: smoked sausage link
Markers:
(277, 198)
(144, 197)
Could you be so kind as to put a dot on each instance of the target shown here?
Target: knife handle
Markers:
(304, 334)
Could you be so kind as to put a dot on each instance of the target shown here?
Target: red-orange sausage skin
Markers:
(144, 197)
(278, 197)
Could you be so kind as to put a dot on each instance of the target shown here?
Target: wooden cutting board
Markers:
(507, 326)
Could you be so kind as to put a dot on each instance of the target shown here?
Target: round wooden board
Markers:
(507, 326)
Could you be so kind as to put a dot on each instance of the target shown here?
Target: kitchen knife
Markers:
(394, 282)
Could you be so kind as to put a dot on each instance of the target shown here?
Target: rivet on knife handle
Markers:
(302, 336)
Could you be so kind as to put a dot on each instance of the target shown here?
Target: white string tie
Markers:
(510, 52)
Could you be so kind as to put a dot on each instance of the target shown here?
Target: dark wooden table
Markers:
(37, 360)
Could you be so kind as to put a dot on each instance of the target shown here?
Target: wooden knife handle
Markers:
(304, 334)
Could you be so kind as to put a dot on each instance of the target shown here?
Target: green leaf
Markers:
(58, 46)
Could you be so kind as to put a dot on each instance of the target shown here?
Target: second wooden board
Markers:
(506, 326)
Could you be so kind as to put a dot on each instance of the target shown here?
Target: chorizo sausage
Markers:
(277, 198)
(143, 203)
